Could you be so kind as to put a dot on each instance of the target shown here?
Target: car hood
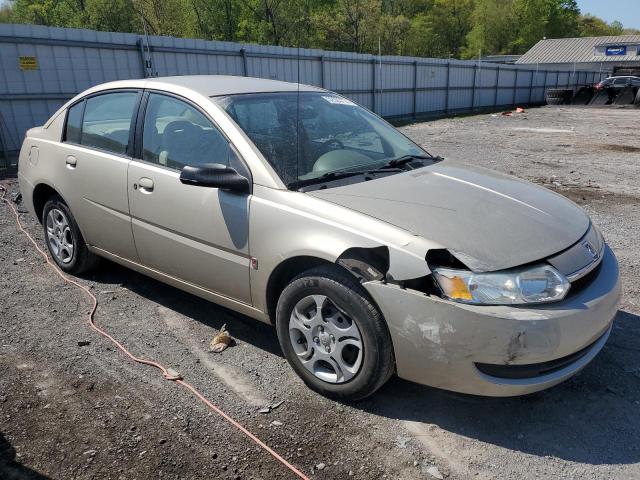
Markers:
(488, 220)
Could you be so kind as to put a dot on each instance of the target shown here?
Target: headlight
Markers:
(535, 284)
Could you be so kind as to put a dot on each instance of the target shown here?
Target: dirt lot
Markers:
(73, 407)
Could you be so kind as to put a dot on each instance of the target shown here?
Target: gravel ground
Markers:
(73, 407)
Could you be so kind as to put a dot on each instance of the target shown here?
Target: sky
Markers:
(625, 11)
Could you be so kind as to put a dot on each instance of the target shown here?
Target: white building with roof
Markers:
(605, 54)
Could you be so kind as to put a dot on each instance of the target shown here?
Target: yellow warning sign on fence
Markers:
(28, 63)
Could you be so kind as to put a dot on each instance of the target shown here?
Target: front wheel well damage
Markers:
(441, 257)
(372, 264)
(41, 194)
(365, 264)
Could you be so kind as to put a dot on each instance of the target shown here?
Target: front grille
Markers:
(532, 370)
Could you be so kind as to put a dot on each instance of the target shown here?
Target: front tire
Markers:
(332, 334)
(64, 240)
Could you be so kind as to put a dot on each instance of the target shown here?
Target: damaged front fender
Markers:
(384, 263)
(285, 225)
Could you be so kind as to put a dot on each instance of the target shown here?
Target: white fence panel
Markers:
(68, 61)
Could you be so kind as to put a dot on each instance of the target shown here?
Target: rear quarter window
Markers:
(73, 129)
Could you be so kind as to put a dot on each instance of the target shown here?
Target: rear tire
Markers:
(555, 101)
(349, 332)
(64, 240)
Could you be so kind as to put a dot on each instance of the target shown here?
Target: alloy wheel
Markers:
(326, 339)
(60, 236)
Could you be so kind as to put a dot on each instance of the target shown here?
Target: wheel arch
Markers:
(363, 263)
(41, 193)
(284, 272)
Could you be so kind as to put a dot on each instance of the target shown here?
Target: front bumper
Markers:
(441, 343)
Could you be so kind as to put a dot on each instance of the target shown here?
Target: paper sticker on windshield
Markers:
(338, 100)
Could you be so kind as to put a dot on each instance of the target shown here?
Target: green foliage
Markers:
(212, 19)
(429, 28)
(111, 16)
(493, 30)
(514, 26)
(5, 13)
(107, 15)
(590, 26)
(543, 18)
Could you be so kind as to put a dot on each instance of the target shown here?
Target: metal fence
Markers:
(42, 67)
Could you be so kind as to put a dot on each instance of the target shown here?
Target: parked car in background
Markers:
(295, 206)
(618, 82)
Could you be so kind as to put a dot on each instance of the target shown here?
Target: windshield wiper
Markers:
(398, 162)
(329, 176)
(393, 165)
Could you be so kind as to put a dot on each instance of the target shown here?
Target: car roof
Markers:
(217, 85)
(203, 85)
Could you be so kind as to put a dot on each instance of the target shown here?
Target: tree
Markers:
(563, 19)
(272, 22)
(434, 28)
(392, 33)
(5, 13)
(60, 13)
(111, 16)
(108, 15)
(352, 25)
(451, 21)
(442, 30)
(215, 19)
(537, 19)
(164, 17)
(355, 15)
(590, 26)
(493, 28)
(422, 40)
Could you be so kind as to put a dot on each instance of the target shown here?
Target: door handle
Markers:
(71, 162)
(146, 185)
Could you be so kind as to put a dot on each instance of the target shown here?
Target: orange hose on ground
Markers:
(166, 373)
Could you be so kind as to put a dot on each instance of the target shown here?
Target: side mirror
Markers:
(215, 175)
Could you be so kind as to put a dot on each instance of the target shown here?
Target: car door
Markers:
(196, 234)
(96, 150)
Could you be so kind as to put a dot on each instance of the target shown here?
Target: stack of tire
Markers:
(583, 96)
(559, 96)
(626, 96)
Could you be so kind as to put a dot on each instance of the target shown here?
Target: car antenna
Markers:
(148, 61)
(298, 93)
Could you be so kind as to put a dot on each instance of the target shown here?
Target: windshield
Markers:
(328, 133)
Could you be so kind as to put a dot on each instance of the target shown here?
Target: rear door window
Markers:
(107, 121)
